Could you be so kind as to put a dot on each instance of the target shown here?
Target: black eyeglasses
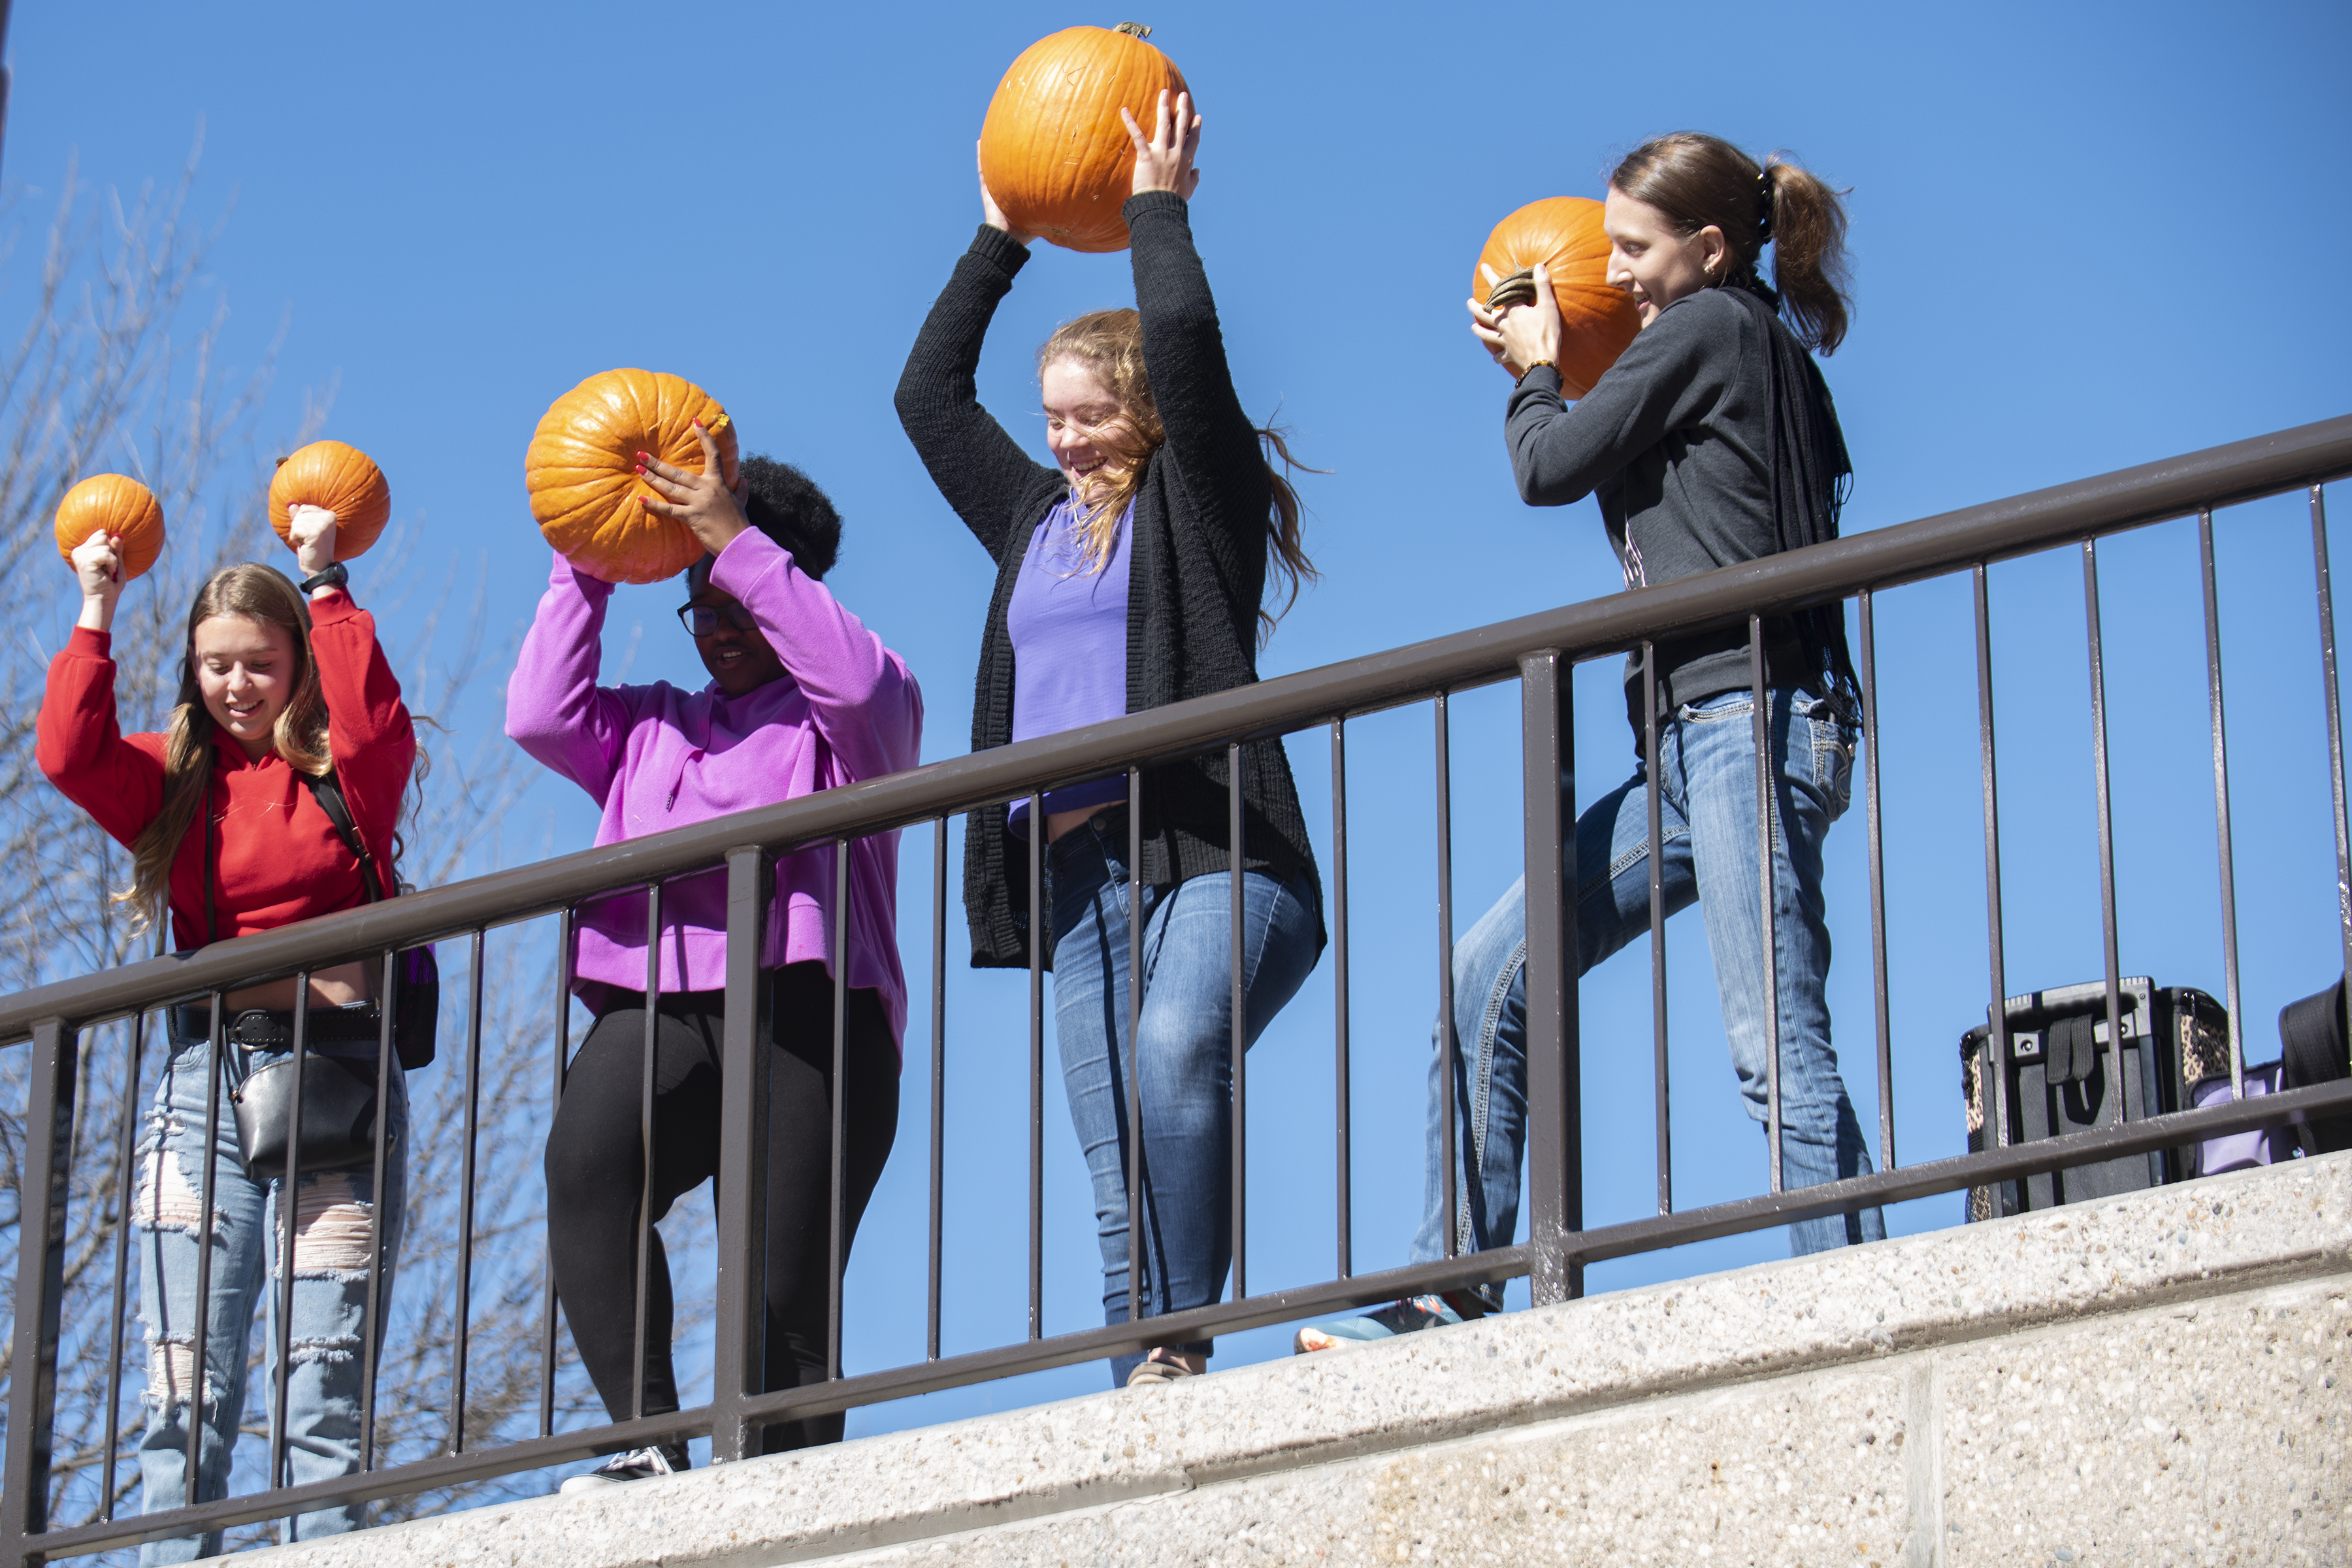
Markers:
(701, 620)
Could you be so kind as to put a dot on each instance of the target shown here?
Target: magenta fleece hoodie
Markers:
(655, 757)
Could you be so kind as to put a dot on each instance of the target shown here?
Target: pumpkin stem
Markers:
(1134, 29)
(1518, 289)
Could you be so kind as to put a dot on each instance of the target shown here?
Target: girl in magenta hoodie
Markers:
(801, 697)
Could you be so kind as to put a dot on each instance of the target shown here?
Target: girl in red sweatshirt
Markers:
(227, 838)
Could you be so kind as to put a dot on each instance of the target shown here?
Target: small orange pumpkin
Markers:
(343, 479)
(1054, 154)
(579, 472)
(1564, 233)
(119, 505)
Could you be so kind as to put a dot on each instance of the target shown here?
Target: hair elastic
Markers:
(1764, 188)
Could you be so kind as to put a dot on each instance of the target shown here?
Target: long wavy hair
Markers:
(1111, 344)
(1698, 180)
(256, 593)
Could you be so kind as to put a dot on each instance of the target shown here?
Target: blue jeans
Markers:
(1183, 1053)
(1707, 763)
(330, 1273)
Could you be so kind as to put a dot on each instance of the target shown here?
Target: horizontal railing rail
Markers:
(1875, 558)
(1539, 650)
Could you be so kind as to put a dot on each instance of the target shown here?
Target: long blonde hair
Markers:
(256, 593)
(1111, 344)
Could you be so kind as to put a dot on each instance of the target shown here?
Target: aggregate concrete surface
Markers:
(2153, 1379)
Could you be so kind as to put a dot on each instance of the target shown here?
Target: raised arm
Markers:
(368, 731)
(990, 482)
(1674, 370)
(1210, 438)
(81, 748)
(861, 695)
(78, 740)
(368, 728)
(555, 709)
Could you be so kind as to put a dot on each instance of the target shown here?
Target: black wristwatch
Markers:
(333, 576)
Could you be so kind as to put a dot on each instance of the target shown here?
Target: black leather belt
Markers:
(356, 1024)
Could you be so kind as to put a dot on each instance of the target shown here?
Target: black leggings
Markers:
(595, 1172)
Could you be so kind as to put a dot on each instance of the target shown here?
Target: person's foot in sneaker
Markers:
(1409, 1316)
(637, 1465)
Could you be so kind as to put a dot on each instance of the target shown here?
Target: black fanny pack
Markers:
(335, 1104)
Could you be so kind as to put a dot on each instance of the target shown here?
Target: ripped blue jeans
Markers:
(332, 1220)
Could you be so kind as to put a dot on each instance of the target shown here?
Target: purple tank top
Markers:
(1069, 629)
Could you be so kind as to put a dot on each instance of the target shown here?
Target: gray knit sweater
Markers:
(1677, 441)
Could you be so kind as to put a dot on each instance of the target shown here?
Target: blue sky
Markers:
(2086, 237)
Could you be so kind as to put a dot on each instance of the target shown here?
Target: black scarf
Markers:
(1811, 476)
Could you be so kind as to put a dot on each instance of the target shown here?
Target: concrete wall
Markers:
(2159, 1379)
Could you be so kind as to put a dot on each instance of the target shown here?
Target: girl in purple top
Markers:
(1142, 567)
(801, 697)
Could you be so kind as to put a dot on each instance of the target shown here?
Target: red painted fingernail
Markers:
(638, 469)
(697, 424)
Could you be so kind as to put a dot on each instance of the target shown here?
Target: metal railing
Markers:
(1539, 650)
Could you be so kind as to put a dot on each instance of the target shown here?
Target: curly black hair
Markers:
(786, 505)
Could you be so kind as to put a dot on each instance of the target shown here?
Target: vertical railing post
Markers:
(1662, 1093)
(1873, 760)
(2091, 620)
(2335, 718)
(371, 1325)
(1449, 1139)
(837, 1208)
(738, 1355)
(40, 1288)
(1766, 889)
(562, 1021)
(1039, 919)
(1555, 1124)
(1342, 1094)
(1136, 1230)
(1237, 1039)
(2228, 872)
(939, 1076)
(1993, 1064)
(464, 1313)
(126, 1188)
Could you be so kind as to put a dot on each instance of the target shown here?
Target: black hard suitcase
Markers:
(2061, 1079)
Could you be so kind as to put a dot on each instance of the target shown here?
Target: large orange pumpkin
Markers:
(1052, 149)
(1564, 233)
(579, 472)
(343, 479)
(119, 505)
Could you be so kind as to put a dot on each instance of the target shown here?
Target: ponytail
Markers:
(1808, 263)
(1698, 179)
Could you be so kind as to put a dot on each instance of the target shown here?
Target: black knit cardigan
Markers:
(1196, 573)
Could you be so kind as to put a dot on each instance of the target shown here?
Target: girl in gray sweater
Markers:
(1711, 441)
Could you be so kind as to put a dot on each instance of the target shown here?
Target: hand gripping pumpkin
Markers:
(343, 479)
(579, 472)
(1052, 149)
(119, 505)
(1564, 233)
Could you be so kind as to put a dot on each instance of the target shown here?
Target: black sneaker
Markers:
(637, 1465)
